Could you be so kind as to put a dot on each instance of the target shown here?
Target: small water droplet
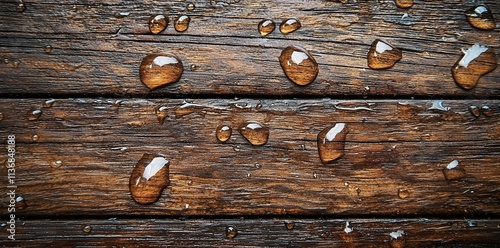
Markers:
(16, 64)
(56, 164)
(190, 6)
(403, 193)
(35, 137)
(33, 114)
(21, 7)
(21, 203)
(87, 229)
(157, 23)
(1, 116)
(182, 23)
(266, 27)
(231, 232)
(474, 110)
(315, 176)
(48, 103)
(161, 114)
(299, 65)
(331, 142)
(258, 106)
(289, 26)
(255, 133)
(480, 17)
(474, 63)
(193, 67)
(190, 182)
(159, 69)
(382, 55)
(6, 61)
(290, 225)
(149, 178)
(223, 133)
(258, 166)
(471, 223)
(454, 171)
(236, 148)
(404, 4)
(48, 49)
(487, 111)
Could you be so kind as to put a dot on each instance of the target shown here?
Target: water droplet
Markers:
(474, 110)
(193, 67)
(474, 63)
(382, 55)
(157, 23)
(258, 166)
(404, 4)
(33, 114)
(148, 179)
(48, 49)
(398, 239)
(161, 114)
(258, 106)
(480, 17)
(223, 133)
(236, 148)
(35, 137)
(182, 23)
(190, 182)
(454, 171)
(159, 69)
(487, 111)
(48, 103)
(298, 65)
(331, 142)
(56, 164)
(403, 193)
(74, 8)
(21, 7)
(21, 203)
(16, 64)
(471, 223)
(6, 61)
(190, 6)
(87, 229)
(289, 26)
(266, 27)
(255, 133)
(1, 116)
(231, 232)
(290, 225)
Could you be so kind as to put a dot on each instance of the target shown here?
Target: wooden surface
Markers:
(104, 119)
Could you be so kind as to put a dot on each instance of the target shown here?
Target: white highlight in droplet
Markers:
(452, 164)
(153, 167)
(382, 47)
(299, 57)
(347, 229)
(397, 234)
(165, 60)
(472, 53)
(330, 136)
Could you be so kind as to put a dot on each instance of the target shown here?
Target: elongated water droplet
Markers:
(480, 17)
(190, 6)
(48, 49)
(266, 27)
(182, 23)
(161, 114)
(231, 232)
(223, 133)
(474, 63)
(159, 69)
(454, 171)
(403, 193)
(331, 142)
(289, 26)
(474, 110)
(404, 4)
(33, 114)
(157, 23)
(21, 7)
(382, 55)
(87, 229)
(48, 103)
(255, 133)
(21, 203)
(148, 179)
(299, 65)
(487, 111)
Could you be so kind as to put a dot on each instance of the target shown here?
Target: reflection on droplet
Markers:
(182, 23)
(74, 8)
(480, 17)
(474, 110)
(21, 7)
(33, 114)
(190, 6)
(148, 179)
(403, 193)
(397, 239)
(266, 27)
(404, 3)
(56, 164)
(161, 114)
(157, 23)
(21, 203)
(87, 229)
(48, 103)
(255, 133)
(290, 225)
(159, 69)
(474, 63)
(35, 137)
(231, 232)
(16, 64)
(48, 49)
(289, 26)
(382, 55)
(487, 111)
(299, 65)
(223, 133)
(331, 142)
(454, 171)
(193, 67)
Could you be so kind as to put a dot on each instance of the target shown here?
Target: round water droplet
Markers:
(289, 26)
(331, 142)
(290, 225)
(21, 7)
(21, 203)
(193, 67)
(266, 27)
(480, 17)
(231, 232)
(404, 4)
(161, 114)
(48, 49)
(35, 137)
(223, 133)
(403, 193)
(6, 61)
(33, 114)
(299, 65)
(190, 6)
(487, 111)
(474, 63)
(382, 55)
(157, 23)
(48, 103)
(182, 23)
(190, 182)
(159, 69)
(149, 178)
(56, 164)
(74, 8)
(16, 64)
(474, 110)
(255, 133)
(87, 229)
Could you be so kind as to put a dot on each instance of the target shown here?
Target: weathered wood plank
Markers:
(262, 233)
(392, 146)
(97, 53)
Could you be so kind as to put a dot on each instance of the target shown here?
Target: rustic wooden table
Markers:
(75, 120)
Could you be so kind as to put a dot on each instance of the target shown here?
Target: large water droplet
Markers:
(231, 232)
(298, 65)
(21, 203)
(148, 179)
(487, 111)
(161, 114)
(33, 114)
(331, 142)
(223, 133)
(480, 17)
(266, 27)
(404, 3)
(48, 49)
(190, 6)
(157, 23)
(21, 7)
(159, 69)
(474, 63)
(255, 133)
(382, 55)
(182, 23)
(474, 110)
(454, 171)
(289, 26)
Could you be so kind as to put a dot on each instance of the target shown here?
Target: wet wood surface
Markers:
(406, 124)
